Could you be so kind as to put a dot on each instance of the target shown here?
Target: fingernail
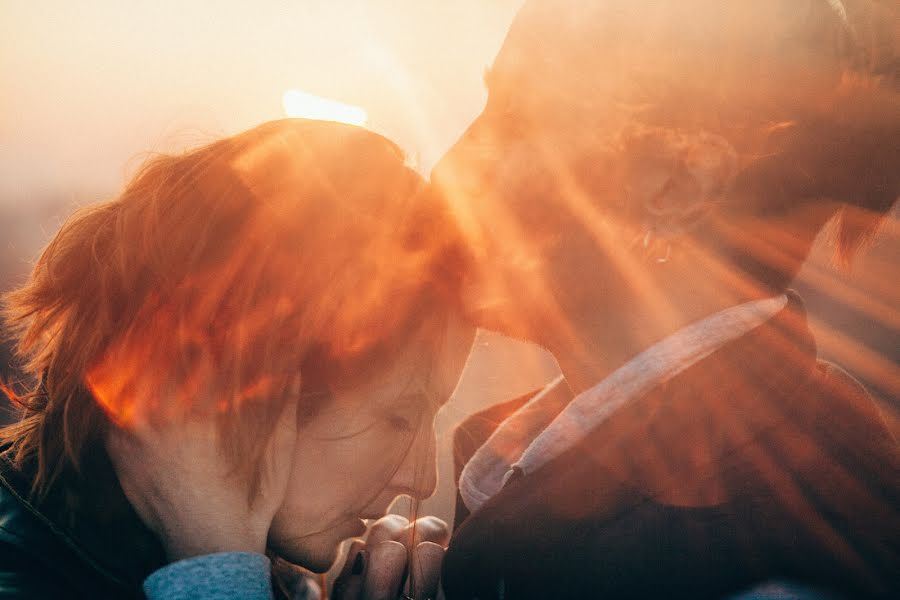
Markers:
(359, 563)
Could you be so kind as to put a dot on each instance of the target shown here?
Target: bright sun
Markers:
(299, 104)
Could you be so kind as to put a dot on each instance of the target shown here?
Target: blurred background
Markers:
(90, 89)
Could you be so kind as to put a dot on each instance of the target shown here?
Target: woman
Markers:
(240, 354)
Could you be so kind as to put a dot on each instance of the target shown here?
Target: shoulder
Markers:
(30, 558)
(834, 400)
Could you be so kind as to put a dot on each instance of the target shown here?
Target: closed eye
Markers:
(407, 411)
(399, 423)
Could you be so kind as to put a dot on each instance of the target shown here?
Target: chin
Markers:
(312, 555)
(488, 304)
(503, 313)
(316, 552)
(321, 563)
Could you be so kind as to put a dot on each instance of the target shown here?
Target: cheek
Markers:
(453, 356)
(340, 474)
(327, 488)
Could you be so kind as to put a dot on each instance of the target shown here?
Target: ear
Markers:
(674, 179)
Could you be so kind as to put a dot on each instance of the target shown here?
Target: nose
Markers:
(465, 167)
(417, 474)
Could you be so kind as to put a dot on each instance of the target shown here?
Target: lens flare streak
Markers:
(302, 105)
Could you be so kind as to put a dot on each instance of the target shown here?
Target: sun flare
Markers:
(302, 105)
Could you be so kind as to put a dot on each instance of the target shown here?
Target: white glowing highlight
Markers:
(302, 105)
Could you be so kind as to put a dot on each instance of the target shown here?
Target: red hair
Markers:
(214, 276)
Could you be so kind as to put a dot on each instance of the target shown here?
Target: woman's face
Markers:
(372, 441)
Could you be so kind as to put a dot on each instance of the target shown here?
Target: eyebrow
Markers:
(411, 399)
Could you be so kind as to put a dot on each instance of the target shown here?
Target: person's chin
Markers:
(317, 552)
(502, 315)
(486, 305)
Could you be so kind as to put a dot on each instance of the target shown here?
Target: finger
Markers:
(388, 527)
(286, 427)
(385, 571)
(425, 529)
(349, 582)
(357, 546)
(425, 571)
(284, 439)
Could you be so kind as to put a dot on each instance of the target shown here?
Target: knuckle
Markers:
(387, 528)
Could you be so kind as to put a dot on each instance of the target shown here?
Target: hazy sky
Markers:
(88, 88)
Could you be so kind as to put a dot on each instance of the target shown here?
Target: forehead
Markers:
(640, 50)
(398, 366)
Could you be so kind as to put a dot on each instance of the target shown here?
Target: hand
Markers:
(185, 490)
(375, 569)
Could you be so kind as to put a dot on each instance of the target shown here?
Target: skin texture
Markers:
(152, 460)
(372, 442)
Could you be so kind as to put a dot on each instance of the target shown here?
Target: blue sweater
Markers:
(222, 576)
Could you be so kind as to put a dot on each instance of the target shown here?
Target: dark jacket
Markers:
(804, 474)
(83, 541)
